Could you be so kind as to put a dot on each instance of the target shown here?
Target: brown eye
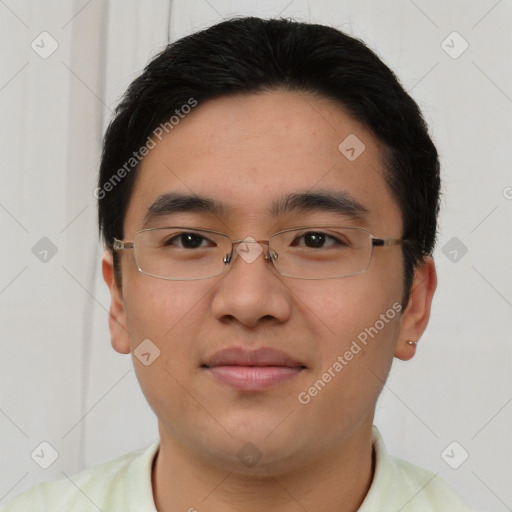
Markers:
(186, 241)
(317, 240)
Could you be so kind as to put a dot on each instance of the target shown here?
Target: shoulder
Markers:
(102, 487)
(427, 490)
(400, 485)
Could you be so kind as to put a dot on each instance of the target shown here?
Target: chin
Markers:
(254, 452)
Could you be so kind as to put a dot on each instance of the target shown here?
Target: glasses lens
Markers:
(322, 252)
(181, 253)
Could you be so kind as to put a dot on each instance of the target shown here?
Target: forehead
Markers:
(248, 152)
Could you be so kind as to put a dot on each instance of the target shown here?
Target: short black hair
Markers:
(250, 55)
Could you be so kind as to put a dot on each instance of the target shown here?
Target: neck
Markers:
(337, 481)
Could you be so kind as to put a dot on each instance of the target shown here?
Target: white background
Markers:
(60, 380)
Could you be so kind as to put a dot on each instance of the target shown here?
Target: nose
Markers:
(251, 291)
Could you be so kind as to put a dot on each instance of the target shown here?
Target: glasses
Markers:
(313, 252)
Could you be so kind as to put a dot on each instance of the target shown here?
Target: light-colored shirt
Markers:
(124, 485)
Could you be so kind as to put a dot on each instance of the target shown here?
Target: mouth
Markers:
(252, 370)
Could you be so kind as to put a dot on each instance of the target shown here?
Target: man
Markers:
(268, 197)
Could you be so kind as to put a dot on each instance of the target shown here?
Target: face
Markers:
(247, 152)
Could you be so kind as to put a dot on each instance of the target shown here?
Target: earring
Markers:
(412, 342)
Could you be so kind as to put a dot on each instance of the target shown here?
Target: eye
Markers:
(186, 240)
(318, 240)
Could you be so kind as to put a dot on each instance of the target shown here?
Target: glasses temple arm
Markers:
(380, 242)
(119, 245)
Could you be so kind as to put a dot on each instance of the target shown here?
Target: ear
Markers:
(417, 313)
(117, 319)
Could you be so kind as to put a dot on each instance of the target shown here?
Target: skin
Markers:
(246, 151)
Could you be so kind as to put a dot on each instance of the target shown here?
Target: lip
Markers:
(252, 370)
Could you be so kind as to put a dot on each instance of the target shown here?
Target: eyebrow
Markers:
(320, 201)
(338, 202)
(174, 202)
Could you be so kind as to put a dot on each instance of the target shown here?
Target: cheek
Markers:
(341, 309)
(356, 322)
(165, 313)
(355, 325)
(154, 307)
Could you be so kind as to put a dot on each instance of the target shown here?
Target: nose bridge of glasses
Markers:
(250, 240)
(249, 249)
